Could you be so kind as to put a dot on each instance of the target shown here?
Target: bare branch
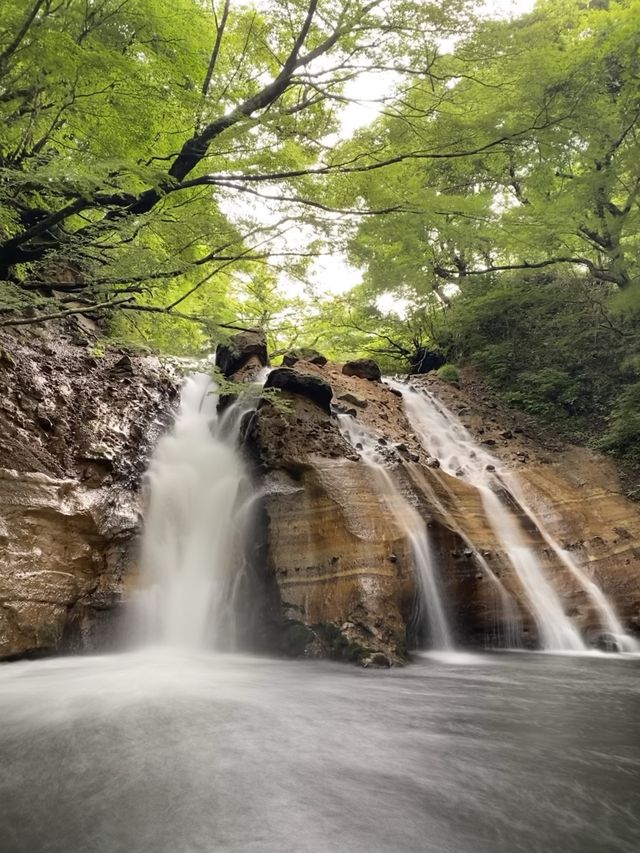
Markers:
(216, 47)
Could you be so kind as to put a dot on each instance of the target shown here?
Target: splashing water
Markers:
(445, 438)
(194, 523)
(413, 527)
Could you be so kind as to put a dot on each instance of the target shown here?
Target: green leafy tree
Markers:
(136, 134)
(545, 110)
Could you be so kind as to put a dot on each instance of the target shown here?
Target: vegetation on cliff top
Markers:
(176, 170)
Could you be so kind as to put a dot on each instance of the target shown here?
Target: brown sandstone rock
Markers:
(76, 431)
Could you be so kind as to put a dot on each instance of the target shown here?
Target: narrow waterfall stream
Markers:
(194, 524)
(609, 618)
(414, 528)
(446, 439)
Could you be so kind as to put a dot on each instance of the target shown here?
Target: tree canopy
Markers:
(175, 169)
(131, 129)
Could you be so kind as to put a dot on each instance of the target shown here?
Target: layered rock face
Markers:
(344, 569)
(574, 492)
(76, 431)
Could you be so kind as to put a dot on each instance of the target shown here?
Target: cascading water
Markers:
(507, 631)
(618, 637)
(445, 438)
(194, 524)
(414, 528)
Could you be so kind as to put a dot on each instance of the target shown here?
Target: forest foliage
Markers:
(176, 169)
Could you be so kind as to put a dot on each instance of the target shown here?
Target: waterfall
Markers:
(445, 438)
(608, 617)
(194, 523)
(413, 527)
(508, 621)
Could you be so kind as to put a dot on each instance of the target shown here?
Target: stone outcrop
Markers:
(76, 430)
(292, 356)
(363, 368)
(314, 388)
(334, 572)
(244, 353)
(424, 360)
(341, 566)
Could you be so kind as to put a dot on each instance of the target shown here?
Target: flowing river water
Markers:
(157, 752)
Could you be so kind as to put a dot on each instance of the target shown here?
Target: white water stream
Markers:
(414, 528)
(193, 524)
(445, 438)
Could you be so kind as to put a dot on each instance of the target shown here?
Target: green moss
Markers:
(295, 638)
(340, 647)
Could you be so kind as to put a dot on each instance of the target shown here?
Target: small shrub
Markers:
(623, 435)
(448, 372)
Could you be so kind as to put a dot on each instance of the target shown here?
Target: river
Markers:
(162, 753)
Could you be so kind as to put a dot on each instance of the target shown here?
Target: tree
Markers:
(561, 85)
(131, 127)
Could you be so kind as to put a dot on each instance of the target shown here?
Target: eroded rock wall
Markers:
(342, 567)
(76, 431)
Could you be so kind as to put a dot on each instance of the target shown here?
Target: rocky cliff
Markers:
(344, 570)
(76, 430)
(333, 571)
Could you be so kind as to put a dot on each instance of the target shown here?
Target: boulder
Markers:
(303, 354)
(354, 400)
(363, 368)
(312, 387)
(241, 348)
(423, 360)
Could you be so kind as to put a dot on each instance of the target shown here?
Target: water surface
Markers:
(457, 754)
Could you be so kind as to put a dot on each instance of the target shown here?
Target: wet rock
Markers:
(424, 360)
(378, 660)
(123, 366)
(306, 385)
(363, 368)
(344, 410)
(608, 643)
(236, 352)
